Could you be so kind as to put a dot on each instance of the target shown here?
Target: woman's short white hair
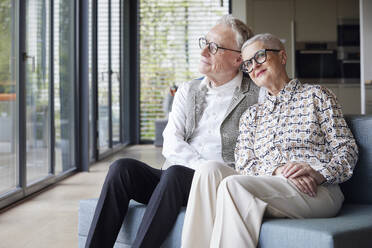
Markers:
(270, 41)
(241, 30)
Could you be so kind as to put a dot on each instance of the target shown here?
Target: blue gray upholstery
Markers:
(159, 128)
(358, 188)
(130, 226)
(351, 228)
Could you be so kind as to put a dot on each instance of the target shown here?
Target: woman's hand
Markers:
(302, 175)
(306, 184)
(298, 169)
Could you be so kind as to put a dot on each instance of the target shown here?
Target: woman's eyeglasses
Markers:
(260, 57)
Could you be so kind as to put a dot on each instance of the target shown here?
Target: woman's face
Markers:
(269, 72)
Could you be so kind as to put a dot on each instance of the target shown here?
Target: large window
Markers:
(108, 78)
(103, 75)
(169, 52)
(47, 65)
(115, 70)
(8, 172)
(37, 89)
(37, 95)
(64, 83)
(92, 148)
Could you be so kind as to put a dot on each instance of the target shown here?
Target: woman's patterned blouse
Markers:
(303, 123)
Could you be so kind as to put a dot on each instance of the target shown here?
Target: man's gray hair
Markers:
(270, 41)
(241, 30)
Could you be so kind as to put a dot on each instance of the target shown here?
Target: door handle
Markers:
(117, 75)
(26, 57)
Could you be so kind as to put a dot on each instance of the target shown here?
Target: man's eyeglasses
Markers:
(260, 58)
(212, 47)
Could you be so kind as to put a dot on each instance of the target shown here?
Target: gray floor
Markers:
(50, 219)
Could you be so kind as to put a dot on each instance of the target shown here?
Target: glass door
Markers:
(103, 76)
(64, 86)
(37, 95)
(37, 89)
(92, 131)
(8, 114)
(115, 70)
(108, 78)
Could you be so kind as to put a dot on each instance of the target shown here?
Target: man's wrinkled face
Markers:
(223, 61)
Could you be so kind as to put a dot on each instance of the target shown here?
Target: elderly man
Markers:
(202, 127)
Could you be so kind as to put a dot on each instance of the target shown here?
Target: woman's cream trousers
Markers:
(225, 209)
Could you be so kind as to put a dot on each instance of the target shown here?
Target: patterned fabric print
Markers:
(303, 123)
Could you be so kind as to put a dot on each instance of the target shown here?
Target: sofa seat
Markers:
(351, 228)
(132, 221)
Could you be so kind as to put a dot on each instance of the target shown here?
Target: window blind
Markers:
(169, 51)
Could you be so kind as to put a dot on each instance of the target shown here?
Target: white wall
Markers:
(239, 10)
(314, 21)
(269, 16)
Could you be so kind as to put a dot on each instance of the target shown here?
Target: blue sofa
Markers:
(351, 228)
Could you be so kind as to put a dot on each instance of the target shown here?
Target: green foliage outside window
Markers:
(167, 32)
(6, 85)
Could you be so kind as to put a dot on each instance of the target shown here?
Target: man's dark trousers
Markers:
(164, 192)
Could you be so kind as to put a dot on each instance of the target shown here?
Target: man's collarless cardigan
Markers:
(244, 96)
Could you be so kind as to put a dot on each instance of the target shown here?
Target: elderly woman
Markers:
(293, 150)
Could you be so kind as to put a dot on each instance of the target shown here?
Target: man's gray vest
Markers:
(243, 97)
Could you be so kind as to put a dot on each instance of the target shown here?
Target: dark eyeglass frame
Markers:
(244, 67)
(203, 40)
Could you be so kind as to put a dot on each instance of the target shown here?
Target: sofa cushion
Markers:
(357, 189)
(351, 228)
(130, 226)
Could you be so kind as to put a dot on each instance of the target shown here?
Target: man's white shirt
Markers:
(205, 143)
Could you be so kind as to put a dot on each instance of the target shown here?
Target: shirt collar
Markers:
(284, 94)
(232, 84)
